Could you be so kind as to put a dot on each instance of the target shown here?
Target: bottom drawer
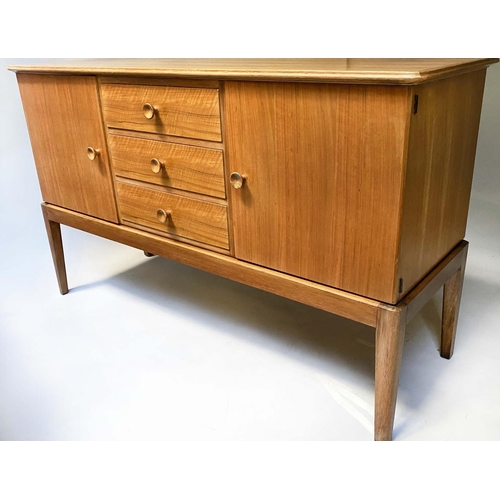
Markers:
(175, 215)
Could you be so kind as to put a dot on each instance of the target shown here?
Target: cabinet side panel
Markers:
(442, 149)
(323, 191)
(64, 119)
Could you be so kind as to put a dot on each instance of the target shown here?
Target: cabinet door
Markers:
(324, 174)
(64, 119)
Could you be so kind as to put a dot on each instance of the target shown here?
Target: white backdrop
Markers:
(486, 185)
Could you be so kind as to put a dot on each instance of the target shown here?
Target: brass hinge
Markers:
(415, 104)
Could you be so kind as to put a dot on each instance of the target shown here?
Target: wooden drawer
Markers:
(196, 220)
(190, 168)
(179, 111)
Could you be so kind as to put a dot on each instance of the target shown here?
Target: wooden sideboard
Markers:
(343, 184)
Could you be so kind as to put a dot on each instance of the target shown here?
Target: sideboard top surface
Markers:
(366, 71)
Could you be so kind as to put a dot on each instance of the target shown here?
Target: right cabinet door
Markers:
(323, 167)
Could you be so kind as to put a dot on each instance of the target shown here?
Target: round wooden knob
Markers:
(93, 153)
(149, 111)
(237, 180)
(156, 165)
(163, 215)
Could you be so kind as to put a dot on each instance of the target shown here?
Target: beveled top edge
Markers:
(369, 71)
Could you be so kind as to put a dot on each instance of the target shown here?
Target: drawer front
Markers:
(173, 214)
(179, 111)
(190, 168)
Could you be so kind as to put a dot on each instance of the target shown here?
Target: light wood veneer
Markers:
(359, 71)
(343, 184)
(325, 179)
(188, 217)
(180, 111)
(438, 176)
(188, 168)
(64, 119)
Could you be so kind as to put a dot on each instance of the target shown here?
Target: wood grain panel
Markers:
(190, 218)
(170, 82)
(323, 297)
(372, 71)
(227, 168)
(324, 167)
(442, 149)
(167, 138)
(452, 295)
(64, 119)
(199, 170)
(185, 112)
(427, 288)
(56, 248)
(389, 342)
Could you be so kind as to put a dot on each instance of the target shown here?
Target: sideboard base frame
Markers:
(389, 320)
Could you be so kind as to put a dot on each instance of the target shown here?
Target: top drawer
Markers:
(179, 111)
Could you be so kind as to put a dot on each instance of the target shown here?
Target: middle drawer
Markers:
(190, 168)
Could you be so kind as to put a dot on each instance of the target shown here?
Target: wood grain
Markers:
(452, 294)
(349, 191)
(371, 71)
(322, 297)
(433, 281)
(170, 82)
(176, 237)
(63, 118)
(188, 141)
(56, 248)
(199, 170)
(324, 168)
(389, 342)
(227, 168)
(442, 148)
(185, 112)
(190, 218)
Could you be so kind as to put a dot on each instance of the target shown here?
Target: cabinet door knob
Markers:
(237, 180)
(163, 215)
(93, 153)
(156, 165)
(149, 111)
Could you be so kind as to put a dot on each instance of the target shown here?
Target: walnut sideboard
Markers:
(343, 184)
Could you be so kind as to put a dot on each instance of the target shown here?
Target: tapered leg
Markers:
(56, 247)
(452, 293)
(389, 340)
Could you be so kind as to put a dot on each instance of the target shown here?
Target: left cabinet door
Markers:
(64, 120)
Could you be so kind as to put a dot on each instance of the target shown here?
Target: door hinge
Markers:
(400, 285)
(415, 104)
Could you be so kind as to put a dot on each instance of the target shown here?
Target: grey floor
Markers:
(150, 349)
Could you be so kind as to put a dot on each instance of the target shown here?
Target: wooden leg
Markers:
(389, 341)
(56, 247)
(452, 293)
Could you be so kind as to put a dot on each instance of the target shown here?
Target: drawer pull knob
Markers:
(93, 153)
(149, 111)
(156, 165)
(237, 180)
(163, 215)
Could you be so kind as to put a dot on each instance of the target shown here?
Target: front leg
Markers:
(389, 341)
(56, 247)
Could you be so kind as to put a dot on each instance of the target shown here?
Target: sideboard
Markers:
(343, 184)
